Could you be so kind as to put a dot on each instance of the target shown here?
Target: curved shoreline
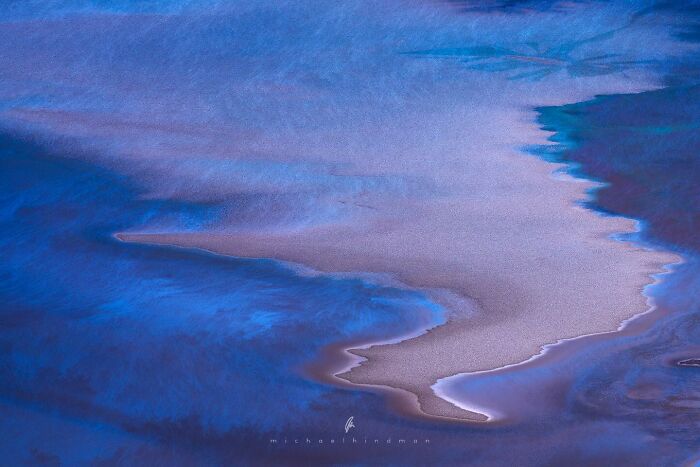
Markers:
(453, 206)
(338, 358)
(341, 358)
(469, 411)
(353, 357)
(563, 349)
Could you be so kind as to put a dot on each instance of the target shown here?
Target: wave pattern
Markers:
(130, 117)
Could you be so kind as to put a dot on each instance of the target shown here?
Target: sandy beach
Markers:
(302, 232)
(538, 267)
(424, 183)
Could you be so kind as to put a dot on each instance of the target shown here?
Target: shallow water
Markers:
(123, 354)
(157, 341)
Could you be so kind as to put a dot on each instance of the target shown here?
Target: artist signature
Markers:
(349, 424)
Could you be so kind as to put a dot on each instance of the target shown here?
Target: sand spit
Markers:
(507, 235)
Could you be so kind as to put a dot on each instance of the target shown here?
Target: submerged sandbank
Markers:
(360, 137)
(540, 268)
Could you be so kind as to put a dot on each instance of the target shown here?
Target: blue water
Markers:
(126, 353)
(112, 338)
(631, 400)
(122, 354)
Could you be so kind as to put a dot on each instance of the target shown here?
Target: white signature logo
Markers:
(349, 424)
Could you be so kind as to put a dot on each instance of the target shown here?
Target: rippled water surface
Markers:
(239, 117)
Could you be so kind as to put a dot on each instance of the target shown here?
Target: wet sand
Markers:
(538, 386)
(508, 236)
(370, 139)
(350, 147)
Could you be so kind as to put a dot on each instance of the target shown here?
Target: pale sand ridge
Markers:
(540, 268)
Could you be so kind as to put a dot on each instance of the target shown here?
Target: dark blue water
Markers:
(115, 339)
(123, 354)
(626, 399)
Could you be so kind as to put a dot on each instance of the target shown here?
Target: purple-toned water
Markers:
(242, 119)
